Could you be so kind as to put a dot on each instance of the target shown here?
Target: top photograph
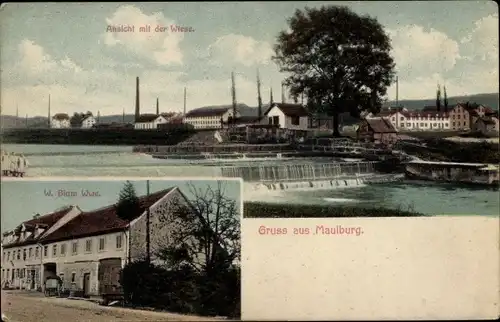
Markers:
(379, 105)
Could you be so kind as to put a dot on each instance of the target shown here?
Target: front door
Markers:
(32, 284)
(86, 284)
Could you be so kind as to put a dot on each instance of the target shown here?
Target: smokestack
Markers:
(123, 117)
(48, 121)
(26, 120)
(397, 92)
(259, 97)
(157, 107)
(271, 100)
(184, 101)
(282, 92)
(98, 116)
(137, 110)
(233, 94)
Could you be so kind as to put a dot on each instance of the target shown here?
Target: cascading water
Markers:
(302, 176)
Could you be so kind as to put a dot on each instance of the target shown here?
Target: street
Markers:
(23, 306)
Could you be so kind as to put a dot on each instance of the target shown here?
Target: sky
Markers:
(65, 50)
(23, 199)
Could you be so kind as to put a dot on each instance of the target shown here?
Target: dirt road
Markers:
(22, 306)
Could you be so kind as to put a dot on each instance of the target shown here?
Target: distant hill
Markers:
(490, 100)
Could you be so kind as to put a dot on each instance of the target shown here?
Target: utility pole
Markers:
(148, 233)
(259, 97)
(397, 92)
(184, 116)
(233, 94)
(48, 121)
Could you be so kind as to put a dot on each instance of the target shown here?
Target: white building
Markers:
(149, 121)
(60, 121)
(420, 121)
(88, 122)
(87, 250)
(288, 116)
(210, 117)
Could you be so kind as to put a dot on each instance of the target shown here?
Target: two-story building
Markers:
(211, 117)
(149, 121)
(87, 249)
(460, 118)
(60, 121)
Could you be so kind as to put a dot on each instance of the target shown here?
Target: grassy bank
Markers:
(265, 210)
(449, 151)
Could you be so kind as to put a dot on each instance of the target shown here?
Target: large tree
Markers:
(207, 234)
(128, 206)
(340, 61)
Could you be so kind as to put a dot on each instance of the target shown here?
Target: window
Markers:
(270, 120)
(402, 119)
(276, 120)
(119, 241)
(24, 254)
(18, 254)
(101, 243)
(295, 120)
(54, 250)
(45, 251)
(36, 252)
(30, 252)
(73, 277)
(453, 123)
(74, 248)
(63, 249)
(88, 245)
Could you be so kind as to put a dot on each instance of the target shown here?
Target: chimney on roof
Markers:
(35, 216)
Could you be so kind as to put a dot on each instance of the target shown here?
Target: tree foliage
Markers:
(77, 118)
(128, 206)
(340, 61)
(207, 234)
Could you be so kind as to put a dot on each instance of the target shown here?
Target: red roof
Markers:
(101, 221)
(47, 221)
(289, 109)
(426, 114)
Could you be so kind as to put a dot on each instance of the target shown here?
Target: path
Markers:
(23, 306)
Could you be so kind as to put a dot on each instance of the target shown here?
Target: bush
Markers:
(265, 210)
(183, 290)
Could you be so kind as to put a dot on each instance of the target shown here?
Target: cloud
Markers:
(34, 60)
(482, 42)
(240, 49)
(418, 52)
(161, 47)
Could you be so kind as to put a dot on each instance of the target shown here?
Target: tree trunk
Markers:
(335, 119)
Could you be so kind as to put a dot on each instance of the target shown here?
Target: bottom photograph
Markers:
(114, 250)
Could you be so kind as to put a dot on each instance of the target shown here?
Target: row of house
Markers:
(461, 117)
(63, 121)
(86, 249)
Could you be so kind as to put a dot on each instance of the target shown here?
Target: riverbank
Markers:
(121, 136)
(455, 151)
(278, 210)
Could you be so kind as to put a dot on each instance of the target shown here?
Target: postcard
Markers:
(117, 247)
(358, 140)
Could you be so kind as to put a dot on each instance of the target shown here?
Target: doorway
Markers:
(32, 279)
(86, 285)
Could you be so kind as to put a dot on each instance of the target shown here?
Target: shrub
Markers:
(268, 210)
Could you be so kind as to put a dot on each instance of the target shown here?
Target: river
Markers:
(427, 198)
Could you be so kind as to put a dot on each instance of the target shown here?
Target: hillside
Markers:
(491, 100)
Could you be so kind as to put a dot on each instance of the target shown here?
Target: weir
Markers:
(297, 172)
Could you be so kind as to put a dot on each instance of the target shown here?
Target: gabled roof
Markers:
(289, 109)
(101, 221)
(45, 221)
(87, 117)
(208, 111)
(60, 116)
(146, 118)
(486, 120)
(380, 125)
